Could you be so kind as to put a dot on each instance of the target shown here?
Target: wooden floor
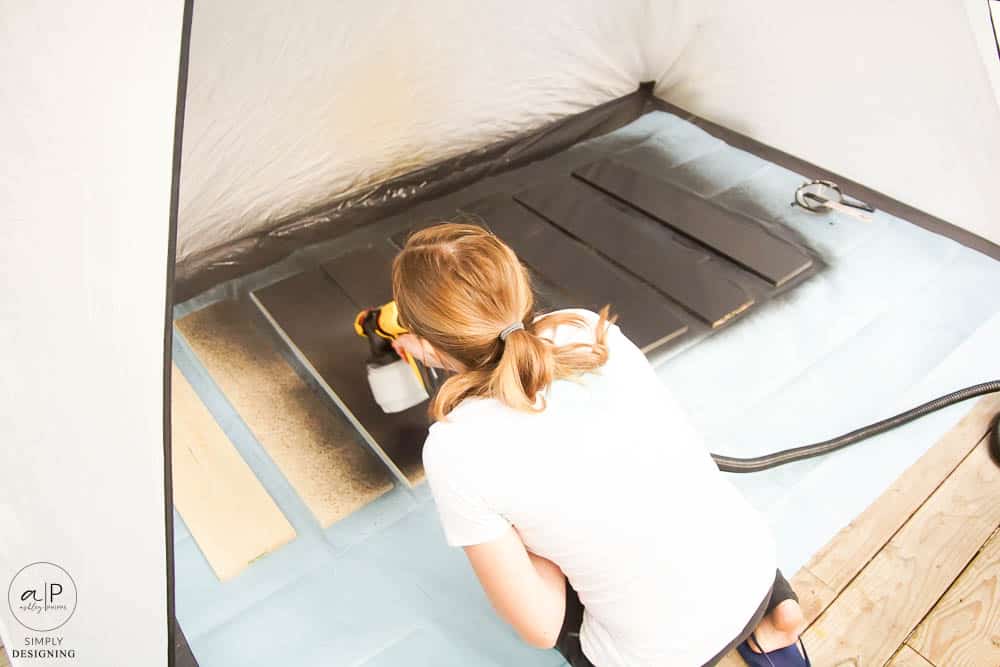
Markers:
(914, 581)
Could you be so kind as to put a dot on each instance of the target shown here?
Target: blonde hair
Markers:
(458, 286)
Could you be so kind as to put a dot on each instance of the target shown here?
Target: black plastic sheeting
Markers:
(245, 255)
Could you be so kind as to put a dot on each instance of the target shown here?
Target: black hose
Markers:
(758, 463)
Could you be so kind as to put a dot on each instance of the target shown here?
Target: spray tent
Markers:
(199, 197)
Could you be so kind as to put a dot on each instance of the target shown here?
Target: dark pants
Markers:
(568, 642)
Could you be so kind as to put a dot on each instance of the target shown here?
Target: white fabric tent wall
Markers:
(88, 106)
(291, 106)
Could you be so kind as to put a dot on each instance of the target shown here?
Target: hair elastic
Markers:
(510, 329)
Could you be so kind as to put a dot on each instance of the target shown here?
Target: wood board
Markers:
(642, 246)
(229, 514)
(316, 450)
(907, 657)
(878, 609)
(591, 281)
(316, 319)
(365, 275)
(963, 629)
(736, 236)
(856, 546)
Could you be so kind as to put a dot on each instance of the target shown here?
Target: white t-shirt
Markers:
(613, 484)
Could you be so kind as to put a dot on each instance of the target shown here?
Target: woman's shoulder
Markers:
(588, 315)
(467, 418)
(465, 433)
(567, 333)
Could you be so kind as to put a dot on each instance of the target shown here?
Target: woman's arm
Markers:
(528, 591)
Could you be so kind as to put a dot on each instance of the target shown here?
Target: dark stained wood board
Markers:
(316, 318)
(735, 236)
(590, 280)
(365, 275)
(642, 245)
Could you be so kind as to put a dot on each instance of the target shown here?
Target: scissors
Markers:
(819, 195)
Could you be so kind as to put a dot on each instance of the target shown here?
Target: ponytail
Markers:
(528, 363)
(459, 287)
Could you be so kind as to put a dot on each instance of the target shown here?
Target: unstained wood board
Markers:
(314, 447)
(316, 317)
(229, 514)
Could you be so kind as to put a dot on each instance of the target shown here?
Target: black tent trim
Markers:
(178, 652)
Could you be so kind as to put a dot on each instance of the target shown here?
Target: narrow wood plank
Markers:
(642, 246)
(315, 449)
(814, 595)
(907, 657)
(736, 236)
(645, 316)
(963, 629)
(316, 318)
(230, 515)
(854, 545)
(885, 602)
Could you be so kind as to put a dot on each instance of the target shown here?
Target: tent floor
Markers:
(896, 316)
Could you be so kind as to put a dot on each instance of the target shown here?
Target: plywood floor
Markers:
(914, 580)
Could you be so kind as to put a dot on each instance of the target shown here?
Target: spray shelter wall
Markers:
(293, 110)
(302, 104)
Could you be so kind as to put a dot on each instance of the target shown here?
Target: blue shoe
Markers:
(790, 656)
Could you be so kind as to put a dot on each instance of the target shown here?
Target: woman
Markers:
(593, 516)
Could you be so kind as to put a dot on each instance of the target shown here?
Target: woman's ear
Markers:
(439, 359)
(429, 354)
